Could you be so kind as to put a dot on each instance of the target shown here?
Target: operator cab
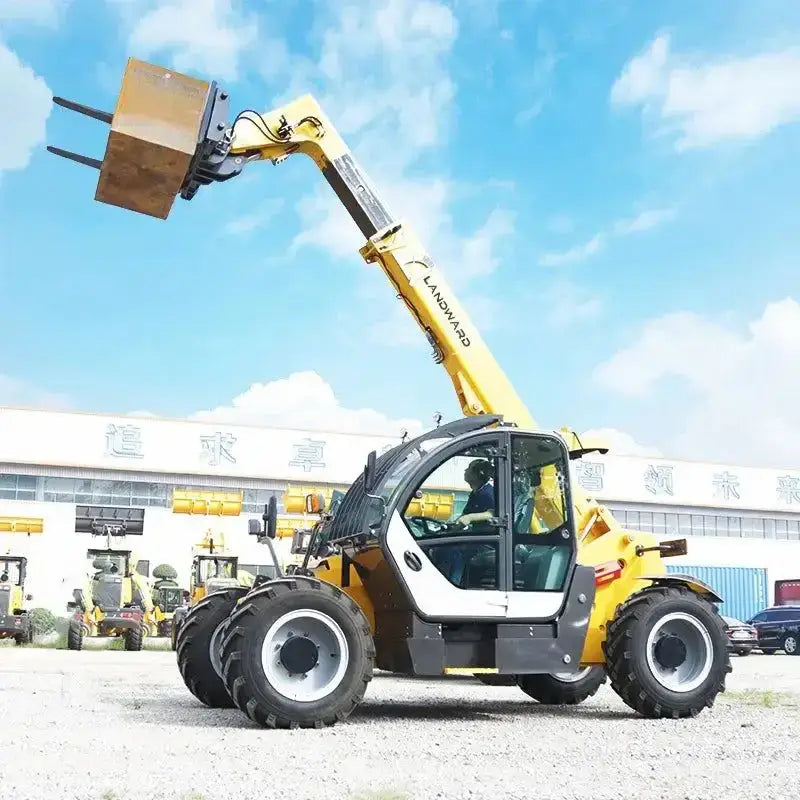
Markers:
(475, 519)
(12, 570)
(214, 569)
(464, 541)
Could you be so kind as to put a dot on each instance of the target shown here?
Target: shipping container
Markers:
(743, 589)
(787, 593)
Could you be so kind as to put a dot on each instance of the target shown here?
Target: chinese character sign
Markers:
(124, 441)
(217, 448)
(726, 486)
(308, 454)
(590, 475)
(789, 489)
(658, 480)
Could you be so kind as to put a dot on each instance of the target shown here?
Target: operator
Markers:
(480, 503)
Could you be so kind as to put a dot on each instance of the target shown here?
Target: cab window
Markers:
(460, 498)
(543, 540)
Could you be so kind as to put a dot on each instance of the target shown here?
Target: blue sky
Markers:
(610, 186)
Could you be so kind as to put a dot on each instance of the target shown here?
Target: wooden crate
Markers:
(153, 137)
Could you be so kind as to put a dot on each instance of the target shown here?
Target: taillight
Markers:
(608, 571)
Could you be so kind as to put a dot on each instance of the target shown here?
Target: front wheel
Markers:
(298, 653)
(791, 644)
(75, 634)
(134, 638)
(667, 652)
(198, 644)
(563, 688)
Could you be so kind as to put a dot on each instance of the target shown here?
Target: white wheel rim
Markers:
(215, 647)
(790, 645)
(571, 677)
(333, 655)
(699, 652)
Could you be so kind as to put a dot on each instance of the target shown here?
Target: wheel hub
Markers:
(299, 655)
(670, 651)
(679, 651)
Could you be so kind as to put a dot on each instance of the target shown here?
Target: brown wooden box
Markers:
(153, 137)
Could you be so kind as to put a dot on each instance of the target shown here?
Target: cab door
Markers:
(458, 545)
(447, 531)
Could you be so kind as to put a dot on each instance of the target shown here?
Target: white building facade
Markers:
(734, 518)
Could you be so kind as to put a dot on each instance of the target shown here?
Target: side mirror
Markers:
(271, 518)
(143, 568)
(315, 503)
(369, 473)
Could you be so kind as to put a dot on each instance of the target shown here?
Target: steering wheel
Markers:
(430, 526)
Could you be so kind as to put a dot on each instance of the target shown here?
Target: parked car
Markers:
(778, 629)
(742, 638)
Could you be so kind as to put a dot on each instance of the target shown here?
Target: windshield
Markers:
(113, 563)
(9, 571)
(216, 568)
(408, 463)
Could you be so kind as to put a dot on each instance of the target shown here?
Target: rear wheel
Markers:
(75, 636)
(198, 645)
(298, 653)
(666, 652)
(563, 688)
(791, 644)
(134, 638)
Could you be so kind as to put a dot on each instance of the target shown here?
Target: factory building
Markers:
(742, 523)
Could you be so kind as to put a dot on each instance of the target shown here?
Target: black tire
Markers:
(549, 690)
(243, 671)
(626, 652)
(26, 636)
(791, 644)
(134, 638)
(193, 646)
(75, 636)
(743, 652)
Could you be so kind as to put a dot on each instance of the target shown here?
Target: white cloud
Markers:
(392, 117)
(644, 221)
(22, 90)
(740, 388)
(246, 223)
(210, 36)
(577, 253)
(621, 443)
(478, 252)
(17, 392)
(304, 400)
(568, 304)
(705, 101)
(40, 12)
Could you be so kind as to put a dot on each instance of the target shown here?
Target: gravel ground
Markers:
(110, 725)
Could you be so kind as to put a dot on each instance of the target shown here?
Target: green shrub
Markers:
(43, 621)
(165, 572)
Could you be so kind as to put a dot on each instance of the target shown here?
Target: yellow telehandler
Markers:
(15, 623)
(116, 599)
(530, 578)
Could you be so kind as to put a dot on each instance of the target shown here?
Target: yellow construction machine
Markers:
(167, 597)
(15, 623)
(530, 579)
(116, 599)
